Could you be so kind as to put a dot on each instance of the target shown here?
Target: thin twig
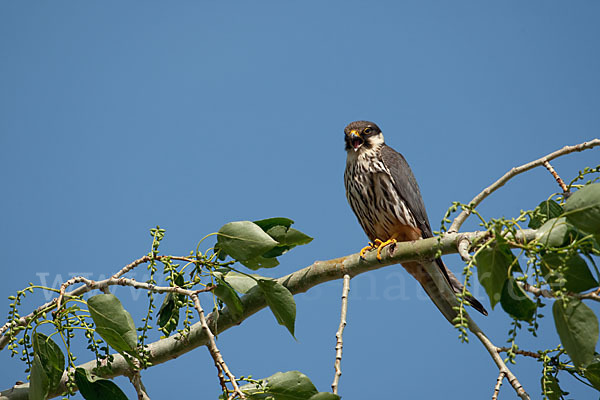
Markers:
(463, 248)
(131, 266)
(549, 295)
(521, 352)
(512, 379)
(591, 296)
(215, 353)
(136, 380)
(50, 305)
(145, 259)
(537, 292)
(339, 335)
(559, 180)
(460, 219)
(91, 285)
(498, 384)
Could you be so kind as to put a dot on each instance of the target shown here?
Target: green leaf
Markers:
(587, 242)
(113, 322)
(240, 282)
(325, 396)
(492, 269)
(228, 295)
(260, 262)
(95, 388)
(268, 223)
(291, 385)
(554, 232)
(592, 372)
(280, 301)
(39, 385)
(546, 210)
(244, 240)
(288, 239)
(279, 229)
(577, 327)
(252, 392)
(168, 314)
(51, 358)
(583, 208)
(516, 302)
(277, 251)
(221, 255)
(289, 236)
(571, 269)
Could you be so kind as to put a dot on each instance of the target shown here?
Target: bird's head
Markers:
(362, 135)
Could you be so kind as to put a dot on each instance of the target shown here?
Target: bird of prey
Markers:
(384, 195)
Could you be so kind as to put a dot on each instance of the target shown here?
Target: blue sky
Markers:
(118, 116)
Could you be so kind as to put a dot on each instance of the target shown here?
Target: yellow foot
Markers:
(365, 249)
(377, 244)
(380, 245)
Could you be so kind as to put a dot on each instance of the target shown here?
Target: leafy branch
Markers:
(560, 244)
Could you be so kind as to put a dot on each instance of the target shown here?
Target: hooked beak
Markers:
(355, 140)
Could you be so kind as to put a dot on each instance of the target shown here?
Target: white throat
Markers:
(364, 152)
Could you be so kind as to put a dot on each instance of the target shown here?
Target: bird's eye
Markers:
(367, 130)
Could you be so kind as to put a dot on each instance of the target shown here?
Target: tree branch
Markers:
(90, 285)
(557, 177)
(339, 335)
(460, 219)
(215, 353)
(549, 295)
(297, 282)
(140, 389)
(521, 352)
(498, 384)
(503, 369)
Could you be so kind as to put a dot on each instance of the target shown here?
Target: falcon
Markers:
(385, 197)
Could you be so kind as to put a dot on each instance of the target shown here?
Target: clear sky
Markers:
(118, 116)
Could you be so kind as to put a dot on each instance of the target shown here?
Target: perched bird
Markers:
(384, 195)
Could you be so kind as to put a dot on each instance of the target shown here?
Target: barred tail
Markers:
(445, 305)
(457, 286)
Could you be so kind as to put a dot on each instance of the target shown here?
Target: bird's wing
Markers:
(407, 188)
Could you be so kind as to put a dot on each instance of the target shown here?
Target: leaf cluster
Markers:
(253, 244)
(560, 264)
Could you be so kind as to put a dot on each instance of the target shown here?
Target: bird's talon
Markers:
(379, 245)
(365, 249)
(382, 245)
